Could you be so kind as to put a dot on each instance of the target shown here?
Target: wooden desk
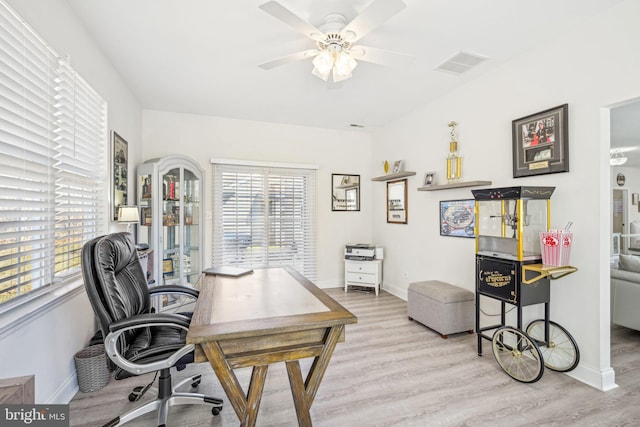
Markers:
(273, 315)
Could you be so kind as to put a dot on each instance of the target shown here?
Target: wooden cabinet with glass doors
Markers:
(171, 221)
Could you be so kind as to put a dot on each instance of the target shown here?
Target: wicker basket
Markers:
(91, 367)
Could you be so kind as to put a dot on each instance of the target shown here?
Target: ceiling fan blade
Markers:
(381, 56)
(288, 59)
(375, 14)
(280, 12)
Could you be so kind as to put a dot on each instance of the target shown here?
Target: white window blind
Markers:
(264, 217)
(52, 139)
(79, 141)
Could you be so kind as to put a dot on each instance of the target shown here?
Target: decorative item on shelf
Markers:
(145, 216)
(128, 215)
(146, 186)
(397, 166)
(454, 160)
(386, 167)
(429, 179)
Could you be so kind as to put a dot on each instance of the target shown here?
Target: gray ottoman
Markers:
(445, 308)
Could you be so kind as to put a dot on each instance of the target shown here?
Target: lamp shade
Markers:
(128, 214)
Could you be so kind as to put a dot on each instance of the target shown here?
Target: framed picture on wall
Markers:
(541, 142)
(120, 168)
(345, 192)
(457, 218)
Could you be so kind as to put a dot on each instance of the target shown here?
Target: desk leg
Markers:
(298, 392)
(254, 396)
(304, 394)
(246, 407)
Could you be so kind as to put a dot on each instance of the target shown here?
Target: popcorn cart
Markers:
(510, 223)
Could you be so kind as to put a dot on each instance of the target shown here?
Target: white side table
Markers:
(363, 273)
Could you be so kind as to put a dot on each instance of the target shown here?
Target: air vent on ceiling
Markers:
(461, 62)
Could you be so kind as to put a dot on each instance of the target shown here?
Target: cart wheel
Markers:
(518, 356)
(561, 354)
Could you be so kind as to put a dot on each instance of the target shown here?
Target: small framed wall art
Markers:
(457, 218)
(541, 143)
(397, 206)
(345, 192)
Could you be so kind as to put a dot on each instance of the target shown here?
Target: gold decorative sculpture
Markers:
(454, 160)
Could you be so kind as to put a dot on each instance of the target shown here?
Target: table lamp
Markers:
(128, 215)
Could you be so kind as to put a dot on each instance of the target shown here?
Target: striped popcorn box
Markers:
(565, 250)
(555, 246)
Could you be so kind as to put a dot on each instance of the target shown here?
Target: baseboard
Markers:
(326, 284)
(65, 392)
(393, 290)
(601, 380)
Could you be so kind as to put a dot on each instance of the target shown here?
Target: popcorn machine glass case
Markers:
(509, 221)
(508, 225)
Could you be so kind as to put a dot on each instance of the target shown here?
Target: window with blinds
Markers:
(52, 162)
(264, 217)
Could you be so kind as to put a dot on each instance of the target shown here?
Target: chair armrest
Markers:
(174, 289)
(150, 319)
(145, 321)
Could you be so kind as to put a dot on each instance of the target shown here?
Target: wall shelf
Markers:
(454, 185)
(392, 176)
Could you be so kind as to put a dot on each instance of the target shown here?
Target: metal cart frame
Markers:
(523, 355)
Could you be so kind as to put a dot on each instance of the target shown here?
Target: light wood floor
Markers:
(393, 372)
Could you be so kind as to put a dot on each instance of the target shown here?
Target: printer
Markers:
(362, 252)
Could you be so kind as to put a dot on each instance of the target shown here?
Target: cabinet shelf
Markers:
(454, 185)
(393, 176)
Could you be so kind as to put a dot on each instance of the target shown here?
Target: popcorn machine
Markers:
(509, 269)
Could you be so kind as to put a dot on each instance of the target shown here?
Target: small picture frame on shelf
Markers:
(397, 166)
(429, 179)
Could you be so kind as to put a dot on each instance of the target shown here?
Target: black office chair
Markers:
(138, 340)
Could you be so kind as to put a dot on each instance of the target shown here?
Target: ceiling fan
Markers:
(335, 51)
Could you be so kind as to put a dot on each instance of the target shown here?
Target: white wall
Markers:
(45, 343)
(567, 70)
(346, 152)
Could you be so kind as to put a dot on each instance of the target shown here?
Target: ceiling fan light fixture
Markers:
(344, 64)
(323, 62)
(323, 76)
(340, 64)
(617, 158)
(337, 77)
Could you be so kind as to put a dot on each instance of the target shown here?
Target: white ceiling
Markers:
(202, 56)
